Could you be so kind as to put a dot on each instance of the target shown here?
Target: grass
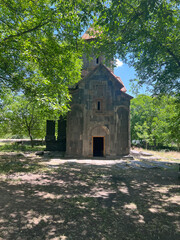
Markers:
(14, 167)
(171, 155)
(12, 159)
(17, 163)
(15, 147)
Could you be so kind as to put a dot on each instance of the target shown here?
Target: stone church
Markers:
(98, 124)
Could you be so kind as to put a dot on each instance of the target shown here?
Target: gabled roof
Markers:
(88, 74)
(126, 95)
(116, 78)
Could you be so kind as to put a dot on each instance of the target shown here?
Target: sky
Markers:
(126, 73)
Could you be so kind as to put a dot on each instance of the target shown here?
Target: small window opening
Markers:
(99, 105)
(97, 60)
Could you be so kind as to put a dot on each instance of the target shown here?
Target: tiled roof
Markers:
(90, 34)
(118, 78)
(86, 36)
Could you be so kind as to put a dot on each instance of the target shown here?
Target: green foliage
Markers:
(145, 34)
(24, 116)
(40, 47)
(174, 123)
(154, 120)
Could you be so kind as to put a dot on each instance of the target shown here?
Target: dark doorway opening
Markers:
(98, 146)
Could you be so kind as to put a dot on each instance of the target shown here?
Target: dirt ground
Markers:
(84, 201)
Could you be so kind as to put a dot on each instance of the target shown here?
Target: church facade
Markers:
(98, 124)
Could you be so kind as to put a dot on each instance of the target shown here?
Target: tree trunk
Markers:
(154, 144)
(32, 142)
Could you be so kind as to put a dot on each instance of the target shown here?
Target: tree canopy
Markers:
(24, 116)
(155, 121)
(41, 45)
(145, 33)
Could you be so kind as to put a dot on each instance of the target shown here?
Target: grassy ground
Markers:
(170, 155)
(80, 201)
(16, 147)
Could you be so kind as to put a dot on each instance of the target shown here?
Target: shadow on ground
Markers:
(79, 201)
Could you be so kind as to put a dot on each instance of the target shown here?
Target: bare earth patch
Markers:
(78, 200)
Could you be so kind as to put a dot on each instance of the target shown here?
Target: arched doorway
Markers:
(100, 136)
(98, 146)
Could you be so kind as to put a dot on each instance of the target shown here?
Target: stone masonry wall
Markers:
(99, 108)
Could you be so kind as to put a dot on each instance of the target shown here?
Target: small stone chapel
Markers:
(98, 124)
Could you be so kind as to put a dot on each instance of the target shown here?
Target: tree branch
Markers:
(26, 31)
(165, 47)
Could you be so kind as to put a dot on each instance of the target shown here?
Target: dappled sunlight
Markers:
(135, 184)
(123, 188)
(164, 189)
(157, 209)
(130, 206)
(82, 183)
(78, 201)
(174, 199)
(34, 218)
(100, 192)
(132, 211)
(46, 195)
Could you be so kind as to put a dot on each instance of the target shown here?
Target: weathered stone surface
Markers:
(146, 154)
(135, 153)
(98, 123)
(98, 110)
(128, 157)
(148, 158)
(61, 139)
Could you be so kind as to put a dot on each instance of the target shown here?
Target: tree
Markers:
(24, 116)
(142, 114)
(174, 123)
(154, 120)
(40, 46)
(145, 33)
(142, 132)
